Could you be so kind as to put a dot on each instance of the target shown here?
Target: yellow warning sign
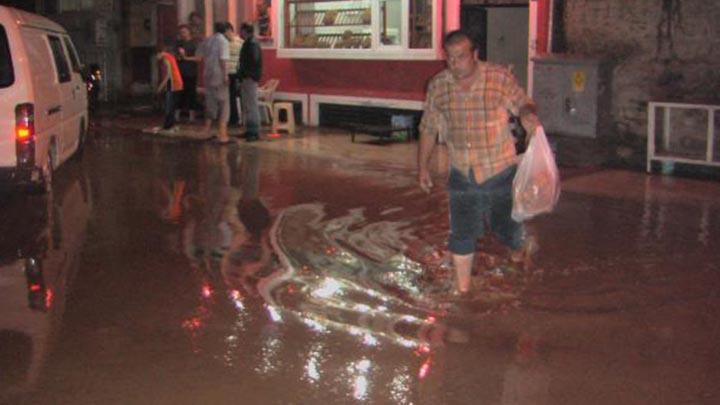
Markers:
(579, 79)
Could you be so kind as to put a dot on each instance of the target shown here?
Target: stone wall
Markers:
(95, 33)
(664, 50)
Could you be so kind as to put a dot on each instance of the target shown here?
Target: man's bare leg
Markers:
(523, 255)
(208, 125)
(463, 267)
(222, 132)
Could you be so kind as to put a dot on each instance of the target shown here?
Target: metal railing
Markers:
(667, 155)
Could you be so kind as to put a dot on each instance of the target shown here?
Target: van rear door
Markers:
(46, 96)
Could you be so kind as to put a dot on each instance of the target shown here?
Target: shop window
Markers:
(390, 22)
(357, 29)
(420, 24)
(329, 24)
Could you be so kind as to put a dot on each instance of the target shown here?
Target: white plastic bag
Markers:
(536, 186)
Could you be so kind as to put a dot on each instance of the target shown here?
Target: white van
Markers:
(43, 98)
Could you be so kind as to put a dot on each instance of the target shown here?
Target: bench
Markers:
(383, 131)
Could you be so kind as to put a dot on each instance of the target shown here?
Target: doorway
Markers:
(501, 35)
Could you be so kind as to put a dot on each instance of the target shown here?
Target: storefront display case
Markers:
(358, 29)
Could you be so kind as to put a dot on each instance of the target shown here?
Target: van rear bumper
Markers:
(18, 176)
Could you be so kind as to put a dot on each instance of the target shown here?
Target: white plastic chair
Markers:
(266, 94)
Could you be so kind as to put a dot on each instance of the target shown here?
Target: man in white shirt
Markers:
(215, 52)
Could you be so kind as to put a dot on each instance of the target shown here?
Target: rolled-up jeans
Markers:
(169, 108)
(476, 209)
(250, 111)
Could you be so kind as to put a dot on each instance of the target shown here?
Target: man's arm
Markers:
(224, 59)
(428, 134)
(525, 105)
(165, 76)
(427, 145)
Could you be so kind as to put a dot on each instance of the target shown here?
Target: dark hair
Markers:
(247, 28)
(229, 26)
(167, 45)
(220, 27)
(457, 36)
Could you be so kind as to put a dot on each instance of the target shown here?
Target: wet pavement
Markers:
(308, 269)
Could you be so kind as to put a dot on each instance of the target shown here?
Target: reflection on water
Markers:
(41, 237)
(345, 273)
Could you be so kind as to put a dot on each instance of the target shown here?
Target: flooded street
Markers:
(314, 271)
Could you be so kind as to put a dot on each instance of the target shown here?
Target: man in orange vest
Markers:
(171, 82)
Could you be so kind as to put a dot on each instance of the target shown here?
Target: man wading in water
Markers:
(469, 103)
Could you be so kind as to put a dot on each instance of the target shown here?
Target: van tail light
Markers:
(25, 123)
(25, 135)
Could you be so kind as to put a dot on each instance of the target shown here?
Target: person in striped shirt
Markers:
(469, 103)
(235, 44)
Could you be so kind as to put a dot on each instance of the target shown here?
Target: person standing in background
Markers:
(249, 74)
(232, 67)
(170, 83)
(185, 49)
(197, 26)
(215, 52)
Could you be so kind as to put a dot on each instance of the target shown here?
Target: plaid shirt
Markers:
(474, 122)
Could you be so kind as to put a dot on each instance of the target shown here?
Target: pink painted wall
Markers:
(360, 78)
(543, 26)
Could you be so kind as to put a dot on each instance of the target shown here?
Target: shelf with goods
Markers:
(332, 18)
(358, 29)
(420, 24)
(323, 24)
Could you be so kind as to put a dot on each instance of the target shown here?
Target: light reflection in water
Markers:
(274, 313)
(359, 375)
(349, 274)
(313, 371)
(400, 386)
(238, 329)
(269, 353)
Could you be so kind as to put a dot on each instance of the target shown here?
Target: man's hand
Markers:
(424, 179)
(530, 122)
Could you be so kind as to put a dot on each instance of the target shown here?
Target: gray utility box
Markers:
(572, 95)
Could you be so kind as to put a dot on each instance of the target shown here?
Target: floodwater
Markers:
(176, 272)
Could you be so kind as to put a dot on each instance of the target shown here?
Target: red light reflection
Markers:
(425, 368)
(192, 324)
(206, 290)
(49, 298)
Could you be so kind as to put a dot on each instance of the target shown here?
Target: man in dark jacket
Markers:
(249, 74)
